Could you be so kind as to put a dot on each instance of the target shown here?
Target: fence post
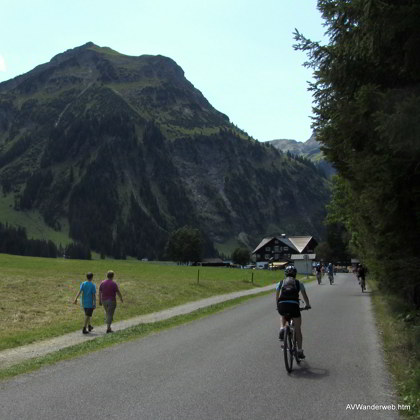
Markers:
(252, 277)
(198, 276)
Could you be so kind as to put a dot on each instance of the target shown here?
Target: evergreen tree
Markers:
(367, 107)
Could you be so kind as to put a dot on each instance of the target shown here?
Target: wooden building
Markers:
(278, 250)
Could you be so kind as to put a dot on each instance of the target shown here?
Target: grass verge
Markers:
(399, 327)
(38, 293)
(133, 333)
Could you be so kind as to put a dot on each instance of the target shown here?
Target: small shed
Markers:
(303, 262)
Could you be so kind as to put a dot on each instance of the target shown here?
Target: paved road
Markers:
(225, 366)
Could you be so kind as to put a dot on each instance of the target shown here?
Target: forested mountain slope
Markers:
(118, 151)
(310, 149)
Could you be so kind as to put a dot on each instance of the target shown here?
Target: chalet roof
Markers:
(289, 243)
(285, 241)
(262, 243)
(300, 242)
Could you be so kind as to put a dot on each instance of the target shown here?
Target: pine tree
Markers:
(367, 107)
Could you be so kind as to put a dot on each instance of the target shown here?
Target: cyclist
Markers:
(330, 271)
(318, 271)
(361, 273)
(287, 301)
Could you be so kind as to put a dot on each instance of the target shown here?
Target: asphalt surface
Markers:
(226, 366)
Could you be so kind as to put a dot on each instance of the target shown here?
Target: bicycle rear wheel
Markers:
(295, 349)
(288, 349)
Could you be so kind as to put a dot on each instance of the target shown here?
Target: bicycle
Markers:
(331, 278)
(362, 283)
(290, 349)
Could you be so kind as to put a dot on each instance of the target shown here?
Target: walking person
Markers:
(108, 290)
(88, 301)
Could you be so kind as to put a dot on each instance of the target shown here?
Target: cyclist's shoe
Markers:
(85, 331)
(90, 328)
(281, 334)
(300, 354)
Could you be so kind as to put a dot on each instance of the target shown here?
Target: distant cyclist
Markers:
(318, 271)
(361, 276)
(287, 301)
(330, 271)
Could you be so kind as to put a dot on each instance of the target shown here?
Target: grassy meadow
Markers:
(38, 293)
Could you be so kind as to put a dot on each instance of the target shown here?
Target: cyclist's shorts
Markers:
(289, 310)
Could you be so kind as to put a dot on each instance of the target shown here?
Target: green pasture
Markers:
(38, 293)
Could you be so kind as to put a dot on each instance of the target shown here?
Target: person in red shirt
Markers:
(107, 297)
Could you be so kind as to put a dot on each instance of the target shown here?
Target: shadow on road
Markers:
(366, 293)
(308, 372)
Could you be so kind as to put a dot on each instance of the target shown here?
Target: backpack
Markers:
(289, 289)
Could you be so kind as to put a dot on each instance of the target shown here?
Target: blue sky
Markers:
(238, 53)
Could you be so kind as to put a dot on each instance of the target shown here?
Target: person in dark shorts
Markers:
(88, 301)
(108, 290)
(287, 302)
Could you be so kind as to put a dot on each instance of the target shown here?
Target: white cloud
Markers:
(2, 63)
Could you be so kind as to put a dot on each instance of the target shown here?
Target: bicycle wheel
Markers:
(295, 349)
(288, 349)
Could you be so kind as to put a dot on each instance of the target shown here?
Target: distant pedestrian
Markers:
(107, 297)
(88, 301)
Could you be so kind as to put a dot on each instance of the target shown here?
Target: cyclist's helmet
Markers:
(290, 271)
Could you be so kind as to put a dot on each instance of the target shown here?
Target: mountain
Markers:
(310, 149)
(117, 151)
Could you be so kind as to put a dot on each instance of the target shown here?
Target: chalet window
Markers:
(267, 256)
(276, 241)
(258, 256)
(285, 248)
(268, 248)
(276, 248)
(276, 256)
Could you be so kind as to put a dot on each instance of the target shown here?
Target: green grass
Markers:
(399, 327)
(32, 221)
(118, 337)
(38, 293)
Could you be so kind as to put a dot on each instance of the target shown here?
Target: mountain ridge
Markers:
(310, 149)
